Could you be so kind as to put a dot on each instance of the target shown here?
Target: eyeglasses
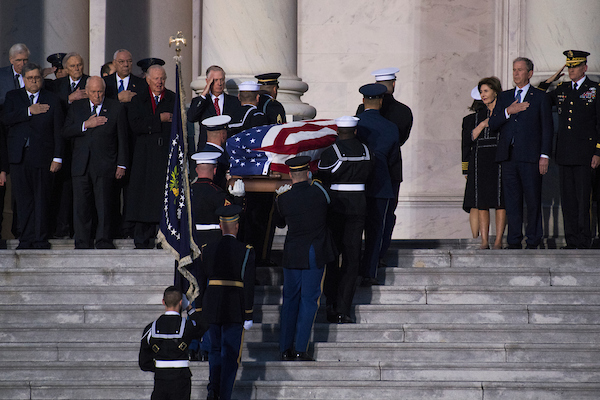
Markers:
(124, 62)
(33, 78)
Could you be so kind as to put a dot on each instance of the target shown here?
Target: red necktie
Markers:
(217, 109)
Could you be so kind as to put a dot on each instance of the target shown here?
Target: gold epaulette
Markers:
(249, 246)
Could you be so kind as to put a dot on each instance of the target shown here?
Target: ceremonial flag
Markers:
(175, 231)
(256, 150)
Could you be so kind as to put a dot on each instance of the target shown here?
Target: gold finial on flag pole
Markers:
(178, 40)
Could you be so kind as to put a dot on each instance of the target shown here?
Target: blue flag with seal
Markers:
(175, 233)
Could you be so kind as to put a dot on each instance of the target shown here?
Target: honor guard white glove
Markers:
(248, 324)
(184, 302)
(283, 188)
(238, 189)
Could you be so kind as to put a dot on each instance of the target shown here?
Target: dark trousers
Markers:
(575, 192)
(224, 357)
(301, 294)
(32, 187)
(377, 210)
(258, 226)
(144, 235)
(340, 282)
(172, 389)
(89, 190)
(522, 181)
(390, 221)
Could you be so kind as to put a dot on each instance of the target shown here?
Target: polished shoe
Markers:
(303, 356)
(195, 356)
(203, 355)
(345, 319)
(514, 247)
(103, 245)
(532, 246)
(368, 282)
(212, 396)
(568, 247)
(287, 355)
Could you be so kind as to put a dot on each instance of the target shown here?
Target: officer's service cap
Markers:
(229, 213)
(385, 74)
(373, 90)
(248, 86)
(298, 163)
(56, 60)
(575, 57)
(216, 123)
(148, 62)
(268, 79)
(206, 157)
(346, 122)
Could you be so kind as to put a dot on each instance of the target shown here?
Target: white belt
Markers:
(171, 363)
(348, 187)
(207, 227)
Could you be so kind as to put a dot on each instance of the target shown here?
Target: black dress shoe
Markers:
(287, 355)
(195, 356)
(212, 396)
(368, 282)
(105, 245)
(303, 356)
(568, 247)
(514, 247)
(345, 319)
(532, 246)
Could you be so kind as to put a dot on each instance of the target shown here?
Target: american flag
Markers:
(256, 150)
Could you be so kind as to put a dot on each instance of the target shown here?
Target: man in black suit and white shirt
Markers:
(523, 116)
(34, 119)
(98, 129)
(212, 101)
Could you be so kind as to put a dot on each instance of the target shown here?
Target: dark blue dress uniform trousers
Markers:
(375, 223)
(224, 357)
(302, 290)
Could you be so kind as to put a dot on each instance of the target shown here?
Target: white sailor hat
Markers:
(248, 86)
(346, 122)
(385, 74)
(475, 93)
(216, 123)
(206, 157)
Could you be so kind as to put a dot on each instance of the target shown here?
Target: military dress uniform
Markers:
(164, 351)
(345, 167)
(248, 116)
(226, 302)
(577, 142)
(381, 137)
(307, 249)
(273, 109)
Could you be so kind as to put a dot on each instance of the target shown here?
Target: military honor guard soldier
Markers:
(146, 63)
(227, 301)
(216, 136)
(307, 249)
(401, 115)
(381, 137)
(577, 146)
(248, 115)
(164, 347)
(344, 168)
(268, 104)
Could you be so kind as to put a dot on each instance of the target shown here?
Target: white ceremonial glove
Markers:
(184, 302)
(238, 189)
(283, 188)
(248, 324)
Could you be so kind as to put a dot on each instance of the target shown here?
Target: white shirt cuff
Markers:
(506, 114)
(544, 156)
(58, 160)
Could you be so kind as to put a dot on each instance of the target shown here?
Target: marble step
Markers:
(457, 353)
(318, 390)
(138, 315)
(357, 333)
(318, 371)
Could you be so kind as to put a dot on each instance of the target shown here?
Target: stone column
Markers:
(259, 37)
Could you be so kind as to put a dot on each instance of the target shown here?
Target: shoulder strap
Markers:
(265, 105)
(317, 184)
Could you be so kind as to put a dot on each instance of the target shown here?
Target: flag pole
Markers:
(176, 234)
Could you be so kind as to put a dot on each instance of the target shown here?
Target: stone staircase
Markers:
(448, 324)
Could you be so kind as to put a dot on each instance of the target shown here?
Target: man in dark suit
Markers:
(524, 118)
(226, 299)
(123, 86)
(308, 248)
(69, 88)
(212, 101)
(34, 119)
(98, 129)
(578, 145)
(10, 79)
(381, 136)
(268, 104)
(150, 115)
(401, 115)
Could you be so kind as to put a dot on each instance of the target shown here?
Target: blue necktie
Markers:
(518, 95)
(121, 87)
